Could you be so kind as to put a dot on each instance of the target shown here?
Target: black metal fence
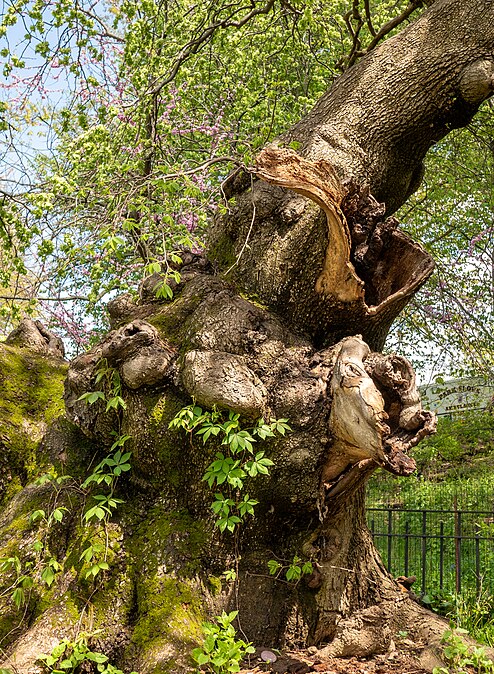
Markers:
(448, 550)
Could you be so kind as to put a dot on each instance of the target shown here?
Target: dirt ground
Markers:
(401, 660)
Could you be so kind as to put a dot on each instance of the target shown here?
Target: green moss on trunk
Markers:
(31, 397)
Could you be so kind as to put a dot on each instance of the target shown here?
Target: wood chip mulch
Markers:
(399, 661)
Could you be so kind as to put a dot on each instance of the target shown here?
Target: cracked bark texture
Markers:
(285, 316)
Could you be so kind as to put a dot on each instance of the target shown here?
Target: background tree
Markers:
(457, 302)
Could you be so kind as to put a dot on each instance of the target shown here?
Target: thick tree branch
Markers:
(380, 118)
(374, 127)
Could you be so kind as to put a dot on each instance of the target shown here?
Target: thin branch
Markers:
(248, 233)
(291, 8)
(202, 167)
(348, 20)
(477, 320)
(356, 50)
(69, 298)
(369, 18)
(193, 46)
(106, 31)
(393, 23)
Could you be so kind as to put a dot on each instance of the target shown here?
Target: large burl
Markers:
(348, 407)
(351, 410)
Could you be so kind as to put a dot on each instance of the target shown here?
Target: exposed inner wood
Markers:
(318, 181)
(367, 258)
(375, 414)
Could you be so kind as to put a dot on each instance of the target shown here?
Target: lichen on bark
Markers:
(31, 397)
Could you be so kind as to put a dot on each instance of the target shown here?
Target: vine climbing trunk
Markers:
(284, 317)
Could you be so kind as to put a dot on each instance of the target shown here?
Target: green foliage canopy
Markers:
(121, 119)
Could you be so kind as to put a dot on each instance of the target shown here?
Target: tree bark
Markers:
(286, 319)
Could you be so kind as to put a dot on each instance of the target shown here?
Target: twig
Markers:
(248, 233)
(369, 18)
(106, 31)
(393, 23)
(356, 50)
(201, 167)
(193, 46)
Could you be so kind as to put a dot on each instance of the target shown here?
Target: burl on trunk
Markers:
(350, 409)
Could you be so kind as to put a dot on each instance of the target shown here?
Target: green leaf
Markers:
(96, 657)
(87, 554)
(294, 572)
(273, 566)
(92, 397)
(66, 664)
(200, 657)
(37, 515)
(18, 597)
(49, 660)
(95, 511)
(116, 402)
(222, 524)
(232, 522)
(48, 576)
(94, 570)
(163, 291)
(120, 442)
(58, 514)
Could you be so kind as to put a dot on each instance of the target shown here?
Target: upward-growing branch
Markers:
(374, 127)
(381, 117)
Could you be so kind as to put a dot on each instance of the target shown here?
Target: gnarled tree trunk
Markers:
(310, 269)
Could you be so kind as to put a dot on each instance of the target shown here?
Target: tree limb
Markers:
(394, 23)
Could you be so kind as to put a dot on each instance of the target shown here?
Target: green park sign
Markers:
(458, 395)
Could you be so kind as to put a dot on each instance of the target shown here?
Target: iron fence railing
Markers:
(448, 550)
